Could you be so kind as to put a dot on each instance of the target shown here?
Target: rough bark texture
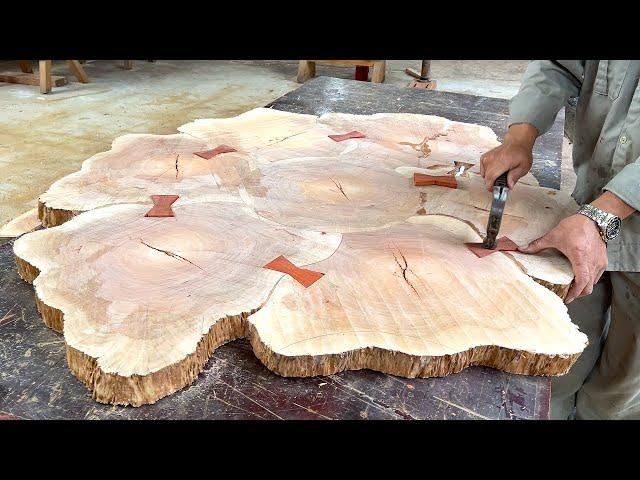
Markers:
(143, 302)
(26, 271)
(139, 390)
(51, 217)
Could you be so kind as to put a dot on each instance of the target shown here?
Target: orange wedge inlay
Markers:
(347, 136)
(162, 206)
(504, 244)
(302, 275)
(207, 154)
(422, 180)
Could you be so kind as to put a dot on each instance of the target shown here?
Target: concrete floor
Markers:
(44, 137)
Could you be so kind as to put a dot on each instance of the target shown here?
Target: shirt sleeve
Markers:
(545, 88)
(626, 184)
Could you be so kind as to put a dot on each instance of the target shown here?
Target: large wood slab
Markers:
(37, 384)
(143, 302)
(412, 300)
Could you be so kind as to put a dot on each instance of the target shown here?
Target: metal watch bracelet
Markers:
(608, 224)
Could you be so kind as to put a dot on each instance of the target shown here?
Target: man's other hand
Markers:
(578, 238)
(514, 156)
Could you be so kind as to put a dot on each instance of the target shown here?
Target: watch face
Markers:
(613, 228)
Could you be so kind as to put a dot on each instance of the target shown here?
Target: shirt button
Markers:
(623, 139)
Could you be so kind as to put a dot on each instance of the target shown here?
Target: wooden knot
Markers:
(347, 136)
(504, 244)
(302, 275)
(207, 154)
(162, 206)
(422, 180)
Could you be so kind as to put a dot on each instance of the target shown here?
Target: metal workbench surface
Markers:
(36, 383)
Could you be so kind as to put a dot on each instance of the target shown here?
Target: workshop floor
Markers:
(44, 137)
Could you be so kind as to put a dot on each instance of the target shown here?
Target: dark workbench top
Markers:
(35, 381)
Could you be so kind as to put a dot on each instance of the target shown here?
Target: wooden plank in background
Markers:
(45, 76)
(30, 79)
(25, 66)
(78, 71)
(364, 63)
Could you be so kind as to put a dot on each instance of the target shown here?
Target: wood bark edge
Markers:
(146, 389)
(52, 217)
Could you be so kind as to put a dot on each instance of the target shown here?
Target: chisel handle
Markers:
(501, 181)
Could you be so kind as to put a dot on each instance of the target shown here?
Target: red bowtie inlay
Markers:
(422, 180)
(162, 206)
(207, 154)
(504, 244)
(302, 275)
(347, 136)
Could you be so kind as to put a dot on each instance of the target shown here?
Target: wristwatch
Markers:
(608, 224)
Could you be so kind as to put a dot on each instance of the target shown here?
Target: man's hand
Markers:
(578, 238)
(514, 156)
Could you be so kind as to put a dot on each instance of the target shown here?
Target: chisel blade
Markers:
(500, 193)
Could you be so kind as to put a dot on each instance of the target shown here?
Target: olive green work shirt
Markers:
(606, 149)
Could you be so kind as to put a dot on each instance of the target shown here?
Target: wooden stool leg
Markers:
(45, 76)
(128, 64)
(25, 66)
(377, 76)
(306, 70)
(78, 71)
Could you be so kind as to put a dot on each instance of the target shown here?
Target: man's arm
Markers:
(578, 238)
(623, 191)
(546, 87)
(611, 203)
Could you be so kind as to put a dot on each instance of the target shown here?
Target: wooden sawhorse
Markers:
(44, 77)
(307, 68)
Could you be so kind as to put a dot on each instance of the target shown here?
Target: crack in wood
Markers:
(282, 140)
(339, 186)
(177, 171)
(404, 268)
(171, 254)
(480, 208)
